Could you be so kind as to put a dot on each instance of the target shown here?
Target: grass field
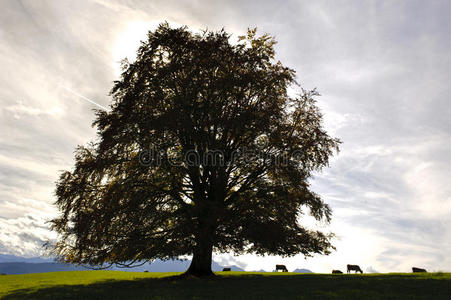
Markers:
(229, 285)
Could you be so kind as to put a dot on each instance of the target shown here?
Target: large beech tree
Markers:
(202, 151)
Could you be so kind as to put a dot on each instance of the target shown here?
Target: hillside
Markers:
(226, 285)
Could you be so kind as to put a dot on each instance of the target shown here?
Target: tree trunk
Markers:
(201, 263)
(202, 255)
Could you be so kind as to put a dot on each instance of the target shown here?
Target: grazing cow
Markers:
(337, 272)
(226, 269)
(281, 267)
(355, 268)
(418, 270)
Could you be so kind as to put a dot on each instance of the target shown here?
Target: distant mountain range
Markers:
(26, 268)
(5, 258)
(10, 264)
(260, 271)
(302, 271)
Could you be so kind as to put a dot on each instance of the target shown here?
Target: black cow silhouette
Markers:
(281, 267)
(355, 268)
(337, 272)
(226, 269)
(418, 270)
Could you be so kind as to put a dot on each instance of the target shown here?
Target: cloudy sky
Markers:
(383, 69)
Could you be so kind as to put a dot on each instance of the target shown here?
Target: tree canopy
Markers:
(203, 150)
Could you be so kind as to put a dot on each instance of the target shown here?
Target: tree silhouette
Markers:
(202, 151)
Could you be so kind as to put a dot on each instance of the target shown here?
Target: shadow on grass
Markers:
(253, 286)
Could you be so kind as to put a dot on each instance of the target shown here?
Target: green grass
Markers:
(226, 285)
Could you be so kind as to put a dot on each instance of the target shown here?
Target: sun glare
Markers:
(128, 41)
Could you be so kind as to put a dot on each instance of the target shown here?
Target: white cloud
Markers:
(25, 236)
(21, 109)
